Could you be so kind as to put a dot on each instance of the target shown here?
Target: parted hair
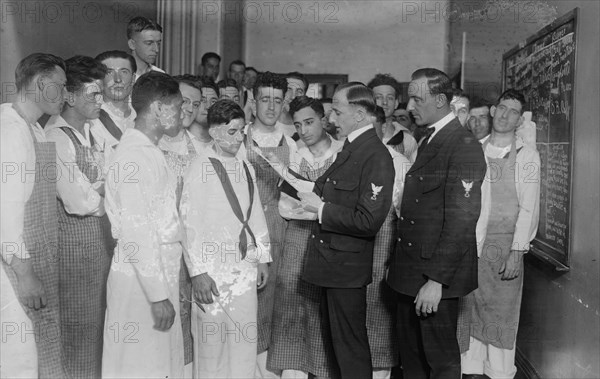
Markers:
(208, 56)
(302, 102)
(139, 24)
(438, 82)
(153, 86)
(223, 112)
(360, 95)
(36, 64)
(81, 70)
(299, 76)
(226, 83)
(118, 54)
(191, 80)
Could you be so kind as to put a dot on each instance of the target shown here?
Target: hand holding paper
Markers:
(310, 201)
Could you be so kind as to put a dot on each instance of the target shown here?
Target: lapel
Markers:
(346, 152)
(433, 147)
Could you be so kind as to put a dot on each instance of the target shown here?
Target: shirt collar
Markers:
(355, 134)
(437, 126)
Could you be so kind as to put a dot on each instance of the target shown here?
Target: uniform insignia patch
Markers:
(376, 190)
(467, 186)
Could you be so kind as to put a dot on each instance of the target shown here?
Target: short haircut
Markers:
(252, 69)
(223, 112)
(36, 64)
(82, 70)
(208, 56)
(139, 24)
(269, 79)
(302, 102)
(513, 94)
(118, 54)
(478, 102)
(151, 87)
(208, 82)
(457, 92)
(385, 80)
(190, 80)
(380, 115)
(438, 82)
(226, 83)
(299, 76)
(237, 62)
(359, 95)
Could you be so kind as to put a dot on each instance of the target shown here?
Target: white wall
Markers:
(358, 38)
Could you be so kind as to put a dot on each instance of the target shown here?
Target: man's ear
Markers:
(493, 111)
(253, 106)
(70, 98)
(359, 114)
(156, 108)
(131, 44)
(440, 100)
(211, 132)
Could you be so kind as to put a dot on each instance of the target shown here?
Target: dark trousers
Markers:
(428, 345)
(346, 309)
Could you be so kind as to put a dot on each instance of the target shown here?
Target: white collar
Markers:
(355, 134)
(438, 125)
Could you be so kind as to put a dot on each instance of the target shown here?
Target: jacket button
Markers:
(420, 178)
(410, 176)
(399, 239)
(327, 180)
(409, 244)
(412, 222)
(313, 236)
(416, 200)
(334, 182)
(401, 218)
(323, 198)
(320, 241)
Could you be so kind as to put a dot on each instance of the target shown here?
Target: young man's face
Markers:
(402, 117)
(170, 116)
(250, 78)
(145, 45)
(87, 100)
(310, 126)
(209, 97)
(385, 97)
(507, 115)
(422, 104)
(460, 108)
(479, 122)
(342, 114)
(229, 93)
(118, 82)
(192, 99)
(211, 68)
(228, 137)
(269, 104)
(295, 88)
(53, 91)
(236, 72)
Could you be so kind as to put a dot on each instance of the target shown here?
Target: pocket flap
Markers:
(345, 185)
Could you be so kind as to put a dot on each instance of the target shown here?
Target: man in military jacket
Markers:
(352, 199)
(435, 261)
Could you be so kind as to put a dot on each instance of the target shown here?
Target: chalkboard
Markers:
(543, 68)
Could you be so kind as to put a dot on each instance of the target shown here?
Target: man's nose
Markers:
(411, 105)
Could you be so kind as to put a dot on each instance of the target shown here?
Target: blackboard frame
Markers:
(544, 251)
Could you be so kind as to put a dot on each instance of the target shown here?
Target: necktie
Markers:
(428, 133)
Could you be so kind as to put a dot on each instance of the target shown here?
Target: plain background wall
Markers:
(63, 28)
(358, 38)
(559, 332)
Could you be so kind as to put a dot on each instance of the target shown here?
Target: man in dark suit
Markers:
(352, 199)
(435, 261)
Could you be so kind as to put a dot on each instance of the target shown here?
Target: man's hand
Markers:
(262, 275)
(511, 267)
(204, 288)
(310, 201)
(428, 298)
(29, 287)
(163, 314)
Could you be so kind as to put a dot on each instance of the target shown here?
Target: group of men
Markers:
(161, 226)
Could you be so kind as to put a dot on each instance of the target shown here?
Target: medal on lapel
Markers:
(467, 186)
